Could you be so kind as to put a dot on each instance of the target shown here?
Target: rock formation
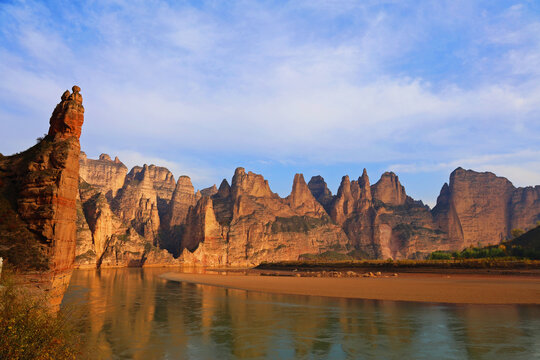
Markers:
(107, 174)
(38, 193)
(389, 190)
(123, 230)
(482, 208)
(320, 191)
(246, 223)
(209, 191)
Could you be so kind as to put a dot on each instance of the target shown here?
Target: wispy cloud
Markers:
(404, 83)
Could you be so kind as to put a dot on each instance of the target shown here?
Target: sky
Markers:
(314, 87)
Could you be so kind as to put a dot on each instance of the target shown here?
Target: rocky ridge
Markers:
(38, 192)
(245, 223)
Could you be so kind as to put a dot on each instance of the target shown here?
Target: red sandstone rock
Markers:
(44, 182)
(482, 208)
(320, 191)
(254, 225)
(389, 190)
(183, 198)
(107, 174)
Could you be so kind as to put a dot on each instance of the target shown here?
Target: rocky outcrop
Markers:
(137, 202)
(320, 191)
(524, 208)
(301, 200)
(183, 198)
(481, 209)
(105, 173)
(343, 204)
(246, 223)
(38, 223)
(389, 190)
(209, 191)
(112, 241)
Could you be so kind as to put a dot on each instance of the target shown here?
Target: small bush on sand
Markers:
(30, 330)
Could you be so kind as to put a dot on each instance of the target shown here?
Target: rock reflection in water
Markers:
(134, 314)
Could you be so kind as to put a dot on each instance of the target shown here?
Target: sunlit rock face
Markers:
(246, 223)
(476, 209)
(38, 193)
(109, 175)
(482, 208)
(381, 221)
(122, 231)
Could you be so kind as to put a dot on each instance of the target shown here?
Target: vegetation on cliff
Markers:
(28, 328)
(525, 246)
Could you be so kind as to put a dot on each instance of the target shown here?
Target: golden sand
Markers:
(458, 289)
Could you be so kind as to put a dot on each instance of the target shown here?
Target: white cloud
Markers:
(253, 80)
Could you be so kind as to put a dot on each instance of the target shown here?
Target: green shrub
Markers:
(30, 330)
(440, 255)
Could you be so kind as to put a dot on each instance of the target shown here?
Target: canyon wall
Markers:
(38, 192)
(482, 208)
(120, 226)
(245, 223)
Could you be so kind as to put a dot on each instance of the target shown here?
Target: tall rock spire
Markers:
(44, 180)
(68, 116)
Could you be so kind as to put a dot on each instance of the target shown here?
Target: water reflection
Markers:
(134, 314)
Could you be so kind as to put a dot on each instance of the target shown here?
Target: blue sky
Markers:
(318, 87)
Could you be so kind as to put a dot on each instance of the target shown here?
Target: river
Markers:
(135, 314)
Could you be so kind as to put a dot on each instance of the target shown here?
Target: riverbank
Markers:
(439, 288)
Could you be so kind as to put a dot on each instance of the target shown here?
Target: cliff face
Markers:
(105, 173)
(123, 230)
(246, 223)
(381, 221)
(482, 208)
(38, 201)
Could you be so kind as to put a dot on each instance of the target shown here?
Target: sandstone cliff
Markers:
(381, 221)
(482, 208)
(38, 193)
(121, 231)
(246, 224)
(105, 173)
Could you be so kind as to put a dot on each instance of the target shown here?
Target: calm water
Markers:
(134, 314)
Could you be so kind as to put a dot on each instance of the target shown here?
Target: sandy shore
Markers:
(457, 289)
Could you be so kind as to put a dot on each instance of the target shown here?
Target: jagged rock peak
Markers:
(320, 191)
(209, 191)
(68, 116)
(83, 156)
(184, 185)
(389, 190)
(365, 188)
(249, 184)
(318, 187)
(363, 180)
(224, 189)
(344, 187)
(182, 199)
(301, 198)
(104, 173)
(300, 190)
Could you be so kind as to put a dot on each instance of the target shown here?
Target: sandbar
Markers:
(438, 288)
